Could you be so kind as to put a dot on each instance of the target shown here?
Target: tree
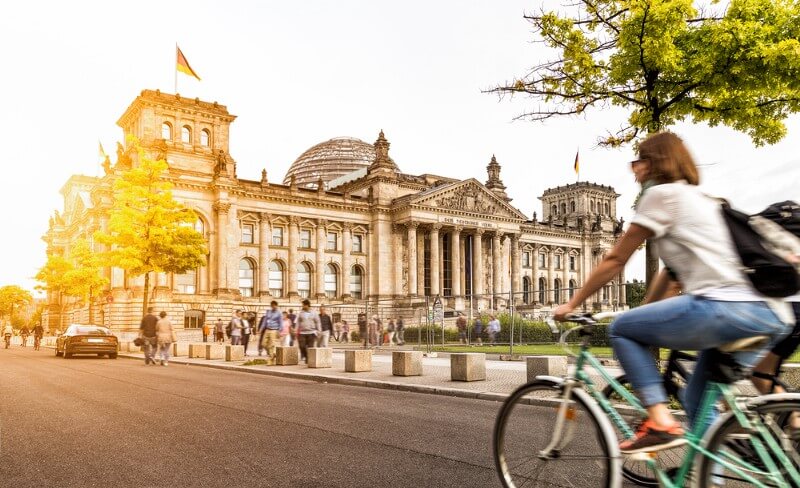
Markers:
(85, 278)
(665, 61)
(148, 230)
(52, 276)
(635, 292)
(12, 297)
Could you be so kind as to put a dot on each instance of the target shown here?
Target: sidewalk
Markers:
(502, 377)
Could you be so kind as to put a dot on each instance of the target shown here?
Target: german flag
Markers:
(576, 166)
(182, 65)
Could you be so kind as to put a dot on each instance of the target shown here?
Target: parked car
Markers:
(87, 339)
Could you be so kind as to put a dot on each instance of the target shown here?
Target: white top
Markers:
(692, 238)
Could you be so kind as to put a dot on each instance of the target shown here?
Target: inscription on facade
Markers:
(467, 223)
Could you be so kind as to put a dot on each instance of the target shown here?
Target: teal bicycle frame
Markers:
(764, 443)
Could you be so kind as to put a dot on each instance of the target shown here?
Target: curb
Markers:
(383, 385)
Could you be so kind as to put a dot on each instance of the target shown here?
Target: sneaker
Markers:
(650, 438)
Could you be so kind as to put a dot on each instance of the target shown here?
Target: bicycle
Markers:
(747, 445)
(37, 342)
(7, 340)
(675, 377)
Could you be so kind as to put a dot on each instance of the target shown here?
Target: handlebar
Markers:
(586, 322)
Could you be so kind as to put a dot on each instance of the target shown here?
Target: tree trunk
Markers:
(146, 294)
(91, 310)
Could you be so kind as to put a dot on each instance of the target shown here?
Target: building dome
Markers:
(330, 160)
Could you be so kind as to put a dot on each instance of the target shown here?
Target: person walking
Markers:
(345, 334)
(400, 329)
(461, 325)
(206, 331)
(236, 328)
(293, 318)
(477, 330)
(363, 329)
(246, 330)
(493, 329)
(308, 328)
(165, 336)
(286, 330)
(327, 328)
(219, 331)
(269, 328)
(373, 331)
(390, 332)
(147, 332)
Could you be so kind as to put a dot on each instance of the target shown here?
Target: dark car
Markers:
(87, 339)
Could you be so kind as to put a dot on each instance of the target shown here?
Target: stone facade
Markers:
(374, 237)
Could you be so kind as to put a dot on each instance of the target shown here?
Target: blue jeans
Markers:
(688, 322)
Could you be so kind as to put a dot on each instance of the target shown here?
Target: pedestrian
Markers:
(477, 330)
(219, 331)
(165, 336)
(327, 327)
(345, 335)
(373, 331)
(270, 328)
(461, 325)
(390, 332)
(235, 327)
(400, 330)
(493, 329)
(38, 333)
(363, 329)
(147, 332)
(246, 330)
(286, 330)
(337, 331)
(206, 331)
(293, 318)
(308, 329)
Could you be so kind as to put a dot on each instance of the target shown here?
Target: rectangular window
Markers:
(246, 282)
(355, 285)
(277, 236)
(358, 243)
(558, 261)
(542, 260)
(526, 260)
(305, 238)
(186, 282)
(330, 285)
(333, 238)
(247, 233)
(572, 263)
(276, 282)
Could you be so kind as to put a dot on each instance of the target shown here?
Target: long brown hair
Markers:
(669, 159)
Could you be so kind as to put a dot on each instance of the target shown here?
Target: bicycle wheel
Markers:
(526, 453)
(731, 440)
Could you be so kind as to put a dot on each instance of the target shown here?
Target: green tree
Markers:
(148, 230)
(664, 61)
(635, 292)
(85, 278)
(11, 298)
(52, 276)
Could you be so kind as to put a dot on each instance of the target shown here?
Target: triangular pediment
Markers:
(468, 196)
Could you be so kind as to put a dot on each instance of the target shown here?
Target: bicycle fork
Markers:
(566, 412)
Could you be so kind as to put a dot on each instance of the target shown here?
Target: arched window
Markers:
(572, 206)
(304, 280)
(606, 292)
(276, 279)
(563, 209)
(356, 280)
(591, 206)
(608, 209)
(200, 226)
(193, 319)
(331, 281)
(205, 137)
(542, 290)
(573, 285)
(557, 290)
(555, 210)
(166, 131)
(186, 134)
(526, 290)
(246, 277)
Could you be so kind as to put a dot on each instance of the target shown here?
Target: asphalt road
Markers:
(102, 422)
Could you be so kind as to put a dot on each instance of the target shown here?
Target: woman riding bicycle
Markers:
(718, 305)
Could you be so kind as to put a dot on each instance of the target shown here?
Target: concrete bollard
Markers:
(546, 366)
(215, 351)
(287, 356)
(197, 350)
(407, 363)
(358, 360)
(791, 375)
(180, 349)
(468, 366)
(234, 353)
(320, 357)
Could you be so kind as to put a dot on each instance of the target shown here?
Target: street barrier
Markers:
(358, 361)
(320, 357)
(407, 363)
(468, 366)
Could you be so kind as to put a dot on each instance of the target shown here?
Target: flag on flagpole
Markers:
(182, 65)
(101, 152)
(576, 166)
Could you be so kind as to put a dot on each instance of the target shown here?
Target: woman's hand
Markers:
(562, 311)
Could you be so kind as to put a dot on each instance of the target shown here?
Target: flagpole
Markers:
(175, 68)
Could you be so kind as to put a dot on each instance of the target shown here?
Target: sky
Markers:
(299, 73)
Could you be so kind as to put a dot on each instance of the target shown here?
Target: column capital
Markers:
(436, 227)
(412, 225)
(265, 217)
(457, 229)
(294, 220)
(498, 235)
(322, 222)
(347, 226)
(221, 207)
(479, 231)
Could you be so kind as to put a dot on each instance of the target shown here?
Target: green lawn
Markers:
(549, 350)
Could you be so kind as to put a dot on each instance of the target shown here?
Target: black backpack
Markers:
(770, 274)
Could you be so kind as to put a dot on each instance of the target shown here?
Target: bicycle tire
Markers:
(592, 458)
(727, 435)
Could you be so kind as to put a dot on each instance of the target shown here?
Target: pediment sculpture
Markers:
(468, 199)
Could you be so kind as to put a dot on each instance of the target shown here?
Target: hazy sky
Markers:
(298, 73)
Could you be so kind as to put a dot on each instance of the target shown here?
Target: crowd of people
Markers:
(24, 333)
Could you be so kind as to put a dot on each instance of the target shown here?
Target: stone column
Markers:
(550, 276)
(347, 246)
(535, 275)
(294, 237)
(412, 258)
(623, 297)
(496, 265)
(420, 264)
(222, 209)
(515, 268)
(435, 263)
(565, 277)
(265, 233)
(455, 260)
(319, 276)
(397, 256)
(477, 263)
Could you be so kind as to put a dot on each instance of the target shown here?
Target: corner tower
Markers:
(582, 204)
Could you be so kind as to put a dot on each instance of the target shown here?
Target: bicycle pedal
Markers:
(642, 457)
